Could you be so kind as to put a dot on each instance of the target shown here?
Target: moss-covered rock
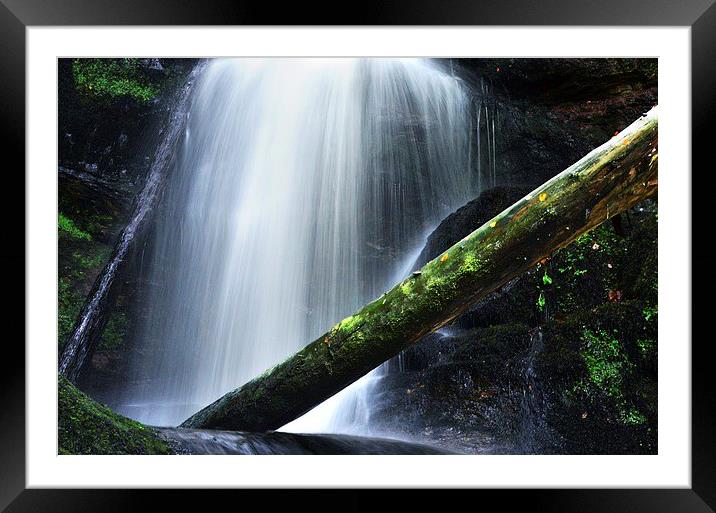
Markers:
(111, 78)
(111, 113)
(87, 427)
(68, 228)
(82, 253)
(599, 370)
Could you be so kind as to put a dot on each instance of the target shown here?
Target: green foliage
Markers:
(632, 417)
(80, 260)
(95, 258)
(541, 301)
(606, 362)
(112, 78)
(617, 348)
(69, 305)
(68, 228)
(602, 265)
(114, 332)
(86, 427)
(650, 312)
(646, 346)
(99, 223)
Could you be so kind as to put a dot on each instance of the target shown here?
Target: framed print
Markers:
(425, 250)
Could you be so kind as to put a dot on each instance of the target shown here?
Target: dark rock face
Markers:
(113, 136)
(458, 390)
(105, 143)
(551, 112)
(598, 374)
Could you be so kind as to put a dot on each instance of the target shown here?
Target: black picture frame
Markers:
(699, 15)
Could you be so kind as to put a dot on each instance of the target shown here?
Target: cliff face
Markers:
(551, 112)
(111, 114)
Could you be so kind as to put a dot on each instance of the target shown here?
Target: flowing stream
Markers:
(302, 189)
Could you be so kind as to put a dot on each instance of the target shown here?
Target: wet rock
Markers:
(469, 218)
(551, 112)
(196, 441)
(465, 384)
(152, 64)
(599, 376)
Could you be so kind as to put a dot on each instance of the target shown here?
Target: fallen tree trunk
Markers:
(609, 180)
(94, 315)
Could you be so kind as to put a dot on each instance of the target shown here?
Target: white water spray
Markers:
(300, 191)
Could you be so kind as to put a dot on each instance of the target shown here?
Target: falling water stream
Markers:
(301, 190)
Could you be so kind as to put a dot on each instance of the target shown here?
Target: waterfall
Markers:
(301, 190)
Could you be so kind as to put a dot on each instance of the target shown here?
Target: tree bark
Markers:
(609, 180)
(94, 315)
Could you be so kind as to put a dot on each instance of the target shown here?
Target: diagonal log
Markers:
(609, 180)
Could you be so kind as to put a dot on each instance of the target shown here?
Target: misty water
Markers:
(302, 189)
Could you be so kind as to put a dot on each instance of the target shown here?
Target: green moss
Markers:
(437, 282)
(99, 223)
(69, 304)
(587, 269)
(77, 271)
(602, 363)
(349, 324)
(406, 287)
(606, 362)
(68, 228)
(650, 312)
(470, 263)
(111, 78)
(114, 332)
(632, 417)
(86, 427)
(80, 258)
(646, 346)
(95, 257)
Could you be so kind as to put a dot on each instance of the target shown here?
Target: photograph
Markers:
(365, 255)
(414, 248)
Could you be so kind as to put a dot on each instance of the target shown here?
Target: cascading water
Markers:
(300, 192)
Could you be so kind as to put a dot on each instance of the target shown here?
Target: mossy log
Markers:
(609, 180)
